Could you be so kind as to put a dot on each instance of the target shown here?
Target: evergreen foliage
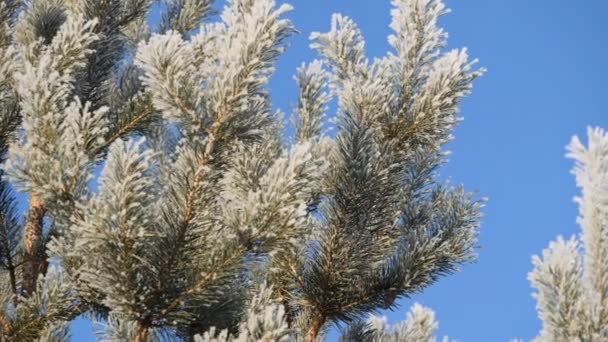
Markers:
(571, 276)
(205, 222)
(419, 326)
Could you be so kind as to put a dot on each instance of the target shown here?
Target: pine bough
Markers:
(165, 201)
(571, 276)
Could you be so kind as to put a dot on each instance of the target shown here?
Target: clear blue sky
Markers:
(546, 81)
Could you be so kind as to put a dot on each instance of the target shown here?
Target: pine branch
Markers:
(135, 122)
(390, 250)
(51, 76)
(116, 221)
(264, 321)
(571, 287)
(218, 121)
(10, 119)
(560, 297)
(32, 238)
(184, 16)
(419, 326)
(10, 237)
(39, 20)
(50, 304)
(228, 261)
(8, 14)
(114, 17)
(312, 101)
(130, 111)
(56, 333)
(591, 171)
(183, 229)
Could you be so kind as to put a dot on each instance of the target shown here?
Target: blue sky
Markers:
(546, 81)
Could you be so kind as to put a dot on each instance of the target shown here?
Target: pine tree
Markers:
(206, 223)
(571, 276)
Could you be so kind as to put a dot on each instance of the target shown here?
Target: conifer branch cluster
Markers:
(571, 275)
(168, 202)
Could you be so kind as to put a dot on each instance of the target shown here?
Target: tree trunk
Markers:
(142, 334)
(31, 245)
(314, 328)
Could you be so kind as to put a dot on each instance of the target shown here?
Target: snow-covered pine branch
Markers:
(420, 325)
(312, 101)
(382, 233)
(208, 221)
(571, 276)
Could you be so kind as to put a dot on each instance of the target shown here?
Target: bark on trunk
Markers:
(315, 327)
(31, 245)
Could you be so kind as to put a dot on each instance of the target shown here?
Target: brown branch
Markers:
(333, 242)
(315, 327)
(142, 334)
(188, 212)
(31, 244)
(126, 128)
(13, 280)
(203, 282)
(211, 133)
(180, 105)
(38, 324)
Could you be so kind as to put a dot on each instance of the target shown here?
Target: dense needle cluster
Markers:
(168, 202)
(571, 276)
